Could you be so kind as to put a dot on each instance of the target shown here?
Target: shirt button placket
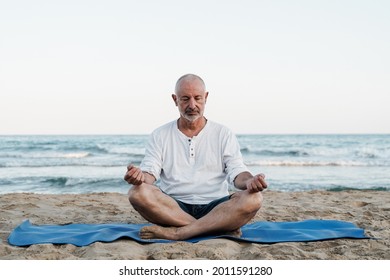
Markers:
(192, 148)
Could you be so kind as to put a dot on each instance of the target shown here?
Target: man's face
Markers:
(191, 100)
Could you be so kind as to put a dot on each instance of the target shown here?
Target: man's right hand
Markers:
(134, 175)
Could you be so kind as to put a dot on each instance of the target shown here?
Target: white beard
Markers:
(191, 118)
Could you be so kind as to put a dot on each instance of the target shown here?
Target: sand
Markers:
(367, 209)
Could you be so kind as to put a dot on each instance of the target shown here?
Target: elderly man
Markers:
(195, 159)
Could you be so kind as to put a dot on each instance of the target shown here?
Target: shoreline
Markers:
(369, 210)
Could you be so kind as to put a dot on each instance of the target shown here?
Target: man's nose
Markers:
(192, 104)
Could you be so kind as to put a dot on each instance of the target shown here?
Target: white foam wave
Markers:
(123, 150)
(46, 155)
(75, 155)
(309, 163)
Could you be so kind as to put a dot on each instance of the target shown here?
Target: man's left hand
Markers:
(256, 184)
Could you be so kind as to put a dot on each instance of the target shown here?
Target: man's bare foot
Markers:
(158, 232)
(235, 233)
(171, 233)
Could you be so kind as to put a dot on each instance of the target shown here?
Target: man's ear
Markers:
(174, 97)
(205, 97)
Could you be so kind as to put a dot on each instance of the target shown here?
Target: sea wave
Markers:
(325, 186)
(75, 155)
(278, 153)
(57, 181)
(320, 152)
(367, 152)
(62, 184)
(64, 164)
(343, 188)
(43, 155)
(73, 182)
(122, 150)
(314, 163)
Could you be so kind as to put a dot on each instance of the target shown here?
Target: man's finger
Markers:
(261, 181)
(130, 173)
(140, 176)
(130, 166)
(133, 171)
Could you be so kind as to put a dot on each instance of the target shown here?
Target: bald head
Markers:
(190, 97)
(189, 79)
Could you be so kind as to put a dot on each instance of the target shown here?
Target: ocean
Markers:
(86, 164)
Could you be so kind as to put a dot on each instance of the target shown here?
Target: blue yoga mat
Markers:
(259, 232)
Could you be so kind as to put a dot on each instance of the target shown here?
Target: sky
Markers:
(110, 67)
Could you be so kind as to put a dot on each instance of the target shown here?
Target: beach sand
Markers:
(367, 209)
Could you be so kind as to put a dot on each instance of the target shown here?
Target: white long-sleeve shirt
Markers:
(194, 170)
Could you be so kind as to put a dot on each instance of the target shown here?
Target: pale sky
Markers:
(110, 67)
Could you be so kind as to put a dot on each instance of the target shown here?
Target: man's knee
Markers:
(256, 201)
(137, 196)
(251, 202)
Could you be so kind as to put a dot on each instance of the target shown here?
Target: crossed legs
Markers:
(175, 224)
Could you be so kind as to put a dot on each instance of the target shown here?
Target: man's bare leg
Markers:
(226, 217)
(157, 207)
